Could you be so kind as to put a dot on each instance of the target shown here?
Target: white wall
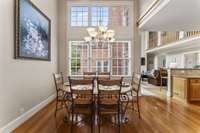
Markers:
(179, 58)
(62, 38)
(24, 83)
(161, 60)
(175, 58)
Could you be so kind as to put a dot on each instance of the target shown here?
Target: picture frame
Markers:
(32, 32)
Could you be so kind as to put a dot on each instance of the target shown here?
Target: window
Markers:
(100, 16)
(100, 57)
(78, 58)
(79, 16)
(119, 16)
(102, 66)
(120, 58)
(111, 57)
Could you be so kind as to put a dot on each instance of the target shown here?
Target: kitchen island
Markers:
(185, 84)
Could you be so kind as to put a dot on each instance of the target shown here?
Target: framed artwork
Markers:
(32, 32)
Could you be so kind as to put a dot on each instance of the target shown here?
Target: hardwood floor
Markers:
(158, 116)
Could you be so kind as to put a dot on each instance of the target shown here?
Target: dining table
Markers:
(125, 90)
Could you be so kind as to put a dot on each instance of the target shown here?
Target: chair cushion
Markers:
(114, 87)
(82, 87)
(64, 88)
(64, 97)
(128, 97)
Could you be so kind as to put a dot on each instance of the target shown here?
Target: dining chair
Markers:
(131, 95)
(127, 97)
(136, 85)
(108, 102)
(82, 99)
(89, 75)
(61, 91)
(104, 75)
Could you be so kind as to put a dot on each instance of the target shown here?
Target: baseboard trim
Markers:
(24, 117)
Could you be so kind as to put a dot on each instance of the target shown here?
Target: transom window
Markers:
(100, 16)
(112, 57)
(79, 16)
(119, 16)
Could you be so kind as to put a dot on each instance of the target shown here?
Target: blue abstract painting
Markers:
(33, 32)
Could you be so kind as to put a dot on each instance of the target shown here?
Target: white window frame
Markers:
(109, 58)
(102, 65)
(129, 58)
(101, 59)
(77, 17)
(99, 17)
(69, 57)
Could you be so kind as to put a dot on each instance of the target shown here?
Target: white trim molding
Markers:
(24, 117)
(188, 43)
(158, 7)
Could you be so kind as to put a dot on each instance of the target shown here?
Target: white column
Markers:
(146, 34)
(159, 38)
(181, 34)
(156, 62)
(169, 88)
(144, 47)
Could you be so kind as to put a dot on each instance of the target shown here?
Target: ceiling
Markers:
(175, 15)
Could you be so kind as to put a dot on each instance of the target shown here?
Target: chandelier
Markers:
(100, 34)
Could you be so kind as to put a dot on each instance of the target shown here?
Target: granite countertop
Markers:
(184, 68)
(187, 76)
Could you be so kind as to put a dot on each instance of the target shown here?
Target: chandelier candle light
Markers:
(101, 34)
